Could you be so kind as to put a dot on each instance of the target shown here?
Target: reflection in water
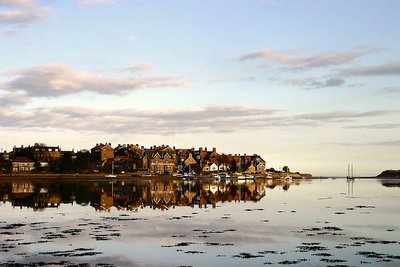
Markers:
(350, 187)
(391, 183)
(135, 194)
(254, 223)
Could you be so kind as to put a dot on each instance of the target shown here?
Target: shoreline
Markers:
(130, 176)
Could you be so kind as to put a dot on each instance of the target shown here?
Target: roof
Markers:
(22, 159)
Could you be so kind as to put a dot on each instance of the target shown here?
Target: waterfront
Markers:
(191, 223)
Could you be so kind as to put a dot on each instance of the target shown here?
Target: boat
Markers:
(287, 177)
(350, 175)
(246, 177)
(216, 177)
(112, 175)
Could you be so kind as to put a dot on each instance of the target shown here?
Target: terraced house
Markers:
(159, 160)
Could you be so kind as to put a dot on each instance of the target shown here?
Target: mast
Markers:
(352, 175)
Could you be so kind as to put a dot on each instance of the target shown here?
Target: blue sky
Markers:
(309, 84)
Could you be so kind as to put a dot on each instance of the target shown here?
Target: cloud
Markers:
(312, 83)
(355, 144)
(263, 53)
(389, 90)
(14, 99)
(94, 2)
(231, 79)
(215, 119)
(387, 143)
(146, 67)
(338, 116)
(295, 62)
(27, 13)
(18, 3)
(11, 33)
(375, 126)
(22, 17)
(388, 69)
(54, 80)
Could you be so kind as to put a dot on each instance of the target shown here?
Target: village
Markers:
(132, 159)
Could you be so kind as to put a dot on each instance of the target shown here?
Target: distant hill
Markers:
(390, 173)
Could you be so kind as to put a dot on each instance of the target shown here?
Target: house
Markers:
(190, 162)
(39, 152)
(251, 169)
(213, 167)
(159, 160)
(102, 152)
(42, 152)
(223, 167)
(23, 164)
(206, 168)
(260, 167)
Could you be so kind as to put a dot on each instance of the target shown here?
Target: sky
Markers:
(313, 85)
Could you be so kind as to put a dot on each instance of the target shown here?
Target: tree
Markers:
(83, 162)
(66, 163)
(233, 166)
(286, 169)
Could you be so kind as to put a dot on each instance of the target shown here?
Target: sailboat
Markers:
(350, 175)
(112, 175)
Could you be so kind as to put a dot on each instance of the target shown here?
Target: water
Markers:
(175, 223)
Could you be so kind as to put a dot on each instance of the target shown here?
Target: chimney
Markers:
(205, 149)
(214, 149)
(200, 149)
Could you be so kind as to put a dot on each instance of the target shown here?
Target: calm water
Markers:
(175, 223)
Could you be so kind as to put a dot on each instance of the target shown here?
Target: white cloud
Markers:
(343, 115)
(212, 119)
(14, 99)
(312, 83)
(18, 3)
(21, 12)
(54, 80)
(389, 90)
(146, 67)
(379, 126)
(232, 79)
(386, 69)
(304, 62)
(94, 2)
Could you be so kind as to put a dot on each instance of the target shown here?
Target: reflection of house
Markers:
(22, 164)
(46, 200)
(22, 189)
(101, 200)
(162, 194)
